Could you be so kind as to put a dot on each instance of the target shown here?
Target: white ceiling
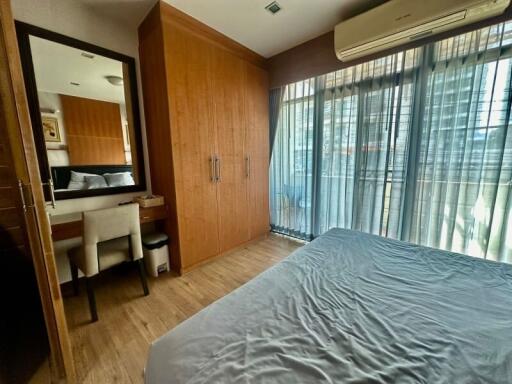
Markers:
(247, 21)
(56, 65)
(129, 12)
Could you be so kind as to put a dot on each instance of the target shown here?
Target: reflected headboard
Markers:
(62, 174)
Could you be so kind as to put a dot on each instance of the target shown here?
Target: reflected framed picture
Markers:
(51, 129)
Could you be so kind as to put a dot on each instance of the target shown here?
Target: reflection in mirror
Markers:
(87, 117)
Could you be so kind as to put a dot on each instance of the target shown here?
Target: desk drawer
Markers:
(68, 230)
(152, 214)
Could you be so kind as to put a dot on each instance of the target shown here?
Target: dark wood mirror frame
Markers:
(24, 31)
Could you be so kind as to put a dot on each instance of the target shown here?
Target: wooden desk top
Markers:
(70, 225)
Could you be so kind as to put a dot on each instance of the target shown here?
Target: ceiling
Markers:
(56, 65)
(129, 12)
(247, 21)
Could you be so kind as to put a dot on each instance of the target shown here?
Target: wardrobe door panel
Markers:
(33, 330)
(257, 152)
(229, 118)
(191, 98)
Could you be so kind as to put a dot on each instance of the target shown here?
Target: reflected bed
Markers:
(62, 175)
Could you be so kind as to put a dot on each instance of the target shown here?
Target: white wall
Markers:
(74, 19)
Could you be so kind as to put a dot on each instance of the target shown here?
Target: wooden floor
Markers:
(114, 349)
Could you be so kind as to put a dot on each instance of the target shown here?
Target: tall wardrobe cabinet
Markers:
(206, 109)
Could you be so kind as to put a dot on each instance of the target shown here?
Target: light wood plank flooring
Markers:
(114, 349)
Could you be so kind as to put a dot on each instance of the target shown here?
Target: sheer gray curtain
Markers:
(291, 165)
(464, 164)
(340, 153)
(415, 146)
(274, 106)
(363, 139)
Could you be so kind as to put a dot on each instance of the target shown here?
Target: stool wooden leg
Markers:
(142, 274)
(92, 299)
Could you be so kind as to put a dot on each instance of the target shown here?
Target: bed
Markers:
(351, 308)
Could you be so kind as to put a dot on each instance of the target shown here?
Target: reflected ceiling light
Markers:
(114, 80)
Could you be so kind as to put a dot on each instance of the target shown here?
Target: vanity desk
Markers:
(69, 226)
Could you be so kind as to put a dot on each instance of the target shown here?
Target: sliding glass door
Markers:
(415, 146)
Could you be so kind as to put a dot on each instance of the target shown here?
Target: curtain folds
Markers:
(274, 103)
(363, 151)
(416, 146)
(465, 155)
(291, 183)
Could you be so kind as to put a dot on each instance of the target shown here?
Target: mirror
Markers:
(84, 111)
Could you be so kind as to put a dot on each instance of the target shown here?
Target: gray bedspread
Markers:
(351, 308)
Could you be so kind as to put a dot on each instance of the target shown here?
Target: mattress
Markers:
(351, 308)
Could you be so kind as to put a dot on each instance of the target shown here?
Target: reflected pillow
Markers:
(95, 182)
(119, 179)
(77, 180)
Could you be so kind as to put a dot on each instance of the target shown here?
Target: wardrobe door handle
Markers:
(247, 166)
(22, 195)
(213, 177)
(217, 168)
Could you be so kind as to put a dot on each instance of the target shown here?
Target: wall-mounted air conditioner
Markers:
(399, 21)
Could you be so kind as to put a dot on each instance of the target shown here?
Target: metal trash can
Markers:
(156, 253)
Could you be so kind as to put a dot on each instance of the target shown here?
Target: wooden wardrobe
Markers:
(206, 108)
(33, 327)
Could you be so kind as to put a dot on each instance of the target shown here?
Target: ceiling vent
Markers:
(273, 7)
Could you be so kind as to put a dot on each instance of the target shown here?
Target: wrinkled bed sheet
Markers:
(351, 308)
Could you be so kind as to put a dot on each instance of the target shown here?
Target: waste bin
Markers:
(156, 253)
